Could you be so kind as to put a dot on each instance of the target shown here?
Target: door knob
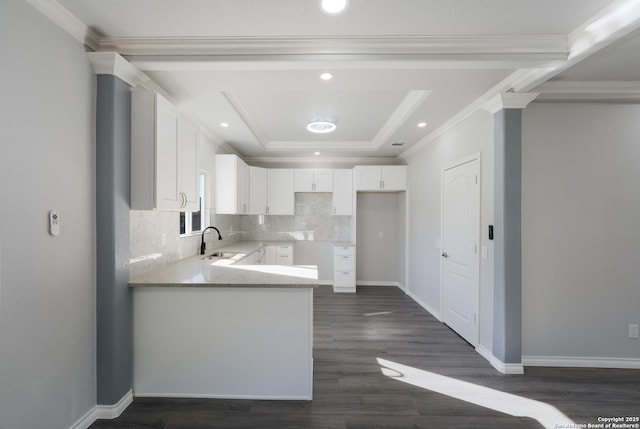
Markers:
(445, 254)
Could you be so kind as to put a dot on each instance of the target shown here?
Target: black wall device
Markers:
(490, 232)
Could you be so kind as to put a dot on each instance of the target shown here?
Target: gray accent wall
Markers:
(507, 290)
(114, 318)
(47, 283)
(580, 231)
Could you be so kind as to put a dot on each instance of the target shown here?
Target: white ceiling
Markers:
(256, 64)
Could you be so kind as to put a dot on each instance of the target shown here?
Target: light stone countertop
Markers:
(199, 272)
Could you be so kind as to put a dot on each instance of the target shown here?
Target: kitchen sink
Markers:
(221, 255)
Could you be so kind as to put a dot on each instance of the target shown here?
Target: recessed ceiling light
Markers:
(333, 7)
(224, 124)
(321, 126)
(326, 76)
(316, 153)
(422, 124)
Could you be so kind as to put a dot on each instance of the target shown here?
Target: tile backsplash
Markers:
(155, 240)
(313, 221)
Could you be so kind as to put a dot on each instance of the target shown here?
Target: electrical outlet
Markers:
(380, 234)
(633, 331)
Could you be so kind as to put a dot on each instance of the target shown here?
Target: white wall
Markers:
(47, 284)
(380, 259)
(473, 135)
(580, 230)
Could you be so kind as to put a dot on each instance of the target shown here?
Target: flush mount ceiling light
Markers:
(321, 126)
(422, 124)
(224, 124)
(326, 76)
(333, 7)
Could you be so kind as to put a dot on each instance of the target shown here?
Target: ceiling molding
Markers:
(594, 91)
(59, 15)
(405, 109)
(241, 107)
(611, 24)
(541, 47)
(321, 160)
(509, 100)
(112, 63)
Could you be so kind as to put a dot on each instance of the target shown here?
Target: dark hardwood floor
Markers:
(351, 391)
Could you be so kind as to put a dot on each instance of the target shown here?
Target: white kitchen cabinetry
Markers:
(343, 192)
(280, 191)
(257, 190)
(232, 185)
(164, 155)
(313, 180)
(279, 255)
(344, 267)
(380, 178)
(189, 136)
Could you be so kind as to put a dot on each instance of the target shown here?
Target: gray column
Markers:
(113, 298)
(507, 292)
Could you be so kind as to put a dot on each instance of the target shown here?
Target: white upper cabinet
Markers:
(280, 191)
(257, 190)
(380, 178)
(164, 155)
(190, 135)
(313, 180)
(343, 192)
(232, 185)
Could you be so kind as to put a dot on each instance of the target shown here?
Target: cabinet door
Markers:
(226, 184)
(303, 180)
(270, 255)
(257, 190)
(189, 135)
(280, 191)
(323, 180)
(167, 192)
(394, 177)
(343, 192)
(243, 188)
(368, 177)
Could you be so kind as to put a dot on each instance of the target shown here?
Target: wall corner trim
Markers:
(104, 412)
(509, 100)
(112, 63)
(504, 368)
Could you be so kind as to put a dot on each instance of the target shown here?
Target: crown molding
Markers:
(603, 91)
(59, 15)
(542, 48)
(354, 160)
(509, 100)
(112, 63)
(401, 114)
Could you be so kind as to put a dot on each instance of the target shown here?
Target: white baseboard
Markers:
(581, 362)
(104, 412)
(424, 305)
(308, 397)
(504, 368)
(377, 283)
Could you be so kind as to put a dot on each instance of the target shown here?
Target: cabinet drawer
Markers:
(284, 250)
(284, 259)
(344, 278)
(344, 250)
(344, 263)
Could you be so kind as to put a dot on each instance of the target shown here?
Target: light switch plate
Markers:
(633, 331)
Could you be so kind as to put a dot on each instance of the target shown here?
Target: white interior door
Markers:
(460, 242)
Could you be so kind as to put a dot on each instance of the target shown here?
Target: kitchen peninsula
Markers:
(213, 327)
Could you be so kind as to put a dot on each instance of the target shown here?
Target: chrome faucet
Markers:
(203, 245)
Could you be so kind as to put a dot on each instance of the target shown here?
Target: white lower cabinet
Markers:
(344, 268)
(279, 255)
